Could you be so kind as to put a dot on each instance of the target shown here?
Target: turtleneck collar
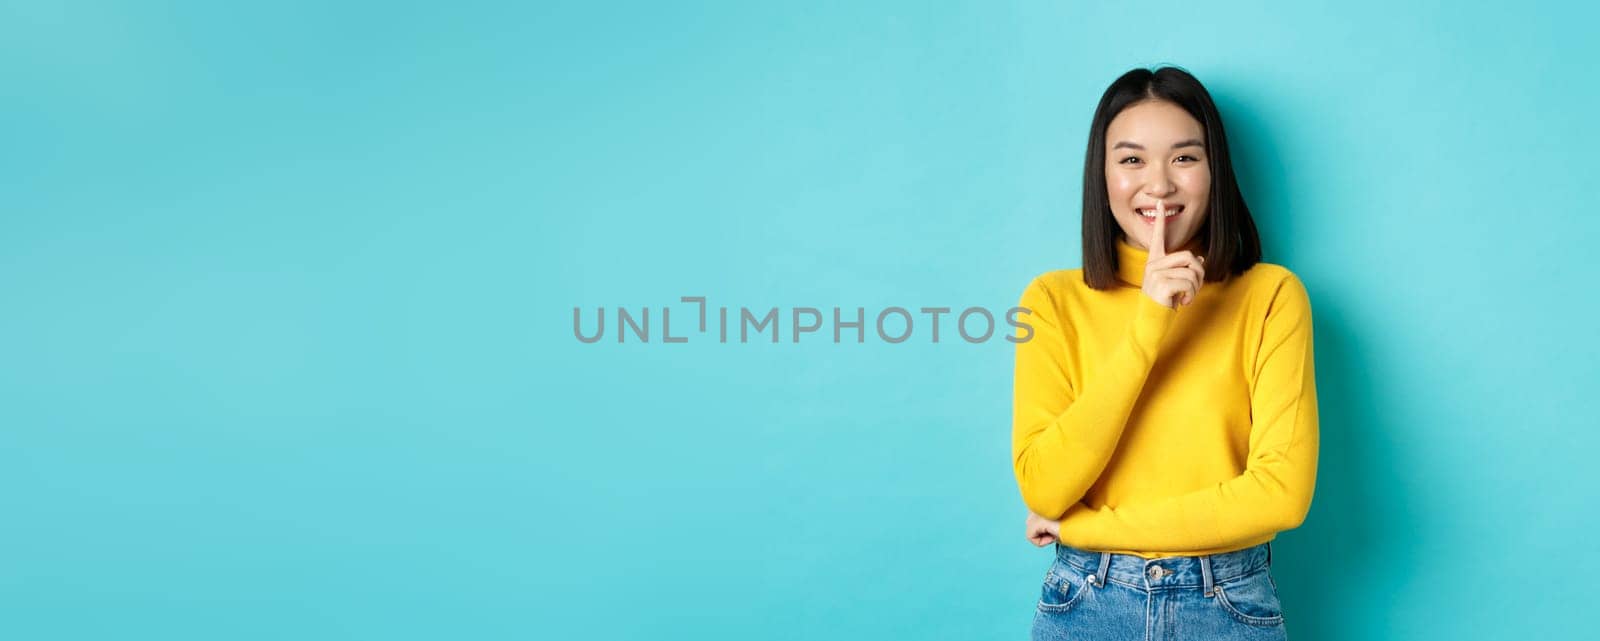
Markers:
(1131, 260)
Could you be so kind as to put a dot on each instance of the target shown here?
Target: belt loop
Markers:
(1105, 566)
(1205, 574)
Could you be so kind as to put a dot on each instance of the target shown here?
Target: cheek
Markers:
(1196, 182)
(1199, 186)
(1119, 188)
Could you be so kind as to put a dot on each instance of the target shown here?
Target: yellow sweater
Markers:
(1162, 432)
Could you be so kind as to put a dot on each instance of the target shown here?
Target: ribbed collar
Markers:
(1131, 260)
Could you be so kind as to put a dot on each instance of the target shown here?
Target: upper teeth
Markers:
(1151, 213)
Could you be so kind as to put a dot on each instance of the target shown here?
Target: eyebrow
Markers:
(1192, 142)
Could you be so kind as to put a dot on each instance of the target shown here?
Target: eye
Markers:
(1129, 160)
(1188, 158)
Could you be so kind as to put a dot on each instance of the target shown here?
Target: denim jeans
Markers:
(1101, 596)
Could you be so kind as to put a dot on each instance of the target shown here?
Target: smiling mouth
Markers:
(1151, 213)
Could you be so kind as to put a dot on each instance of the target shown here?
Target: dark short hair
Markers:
(1228, 237)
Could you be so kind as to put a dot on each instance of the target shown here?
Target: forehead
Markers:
(1153, 122)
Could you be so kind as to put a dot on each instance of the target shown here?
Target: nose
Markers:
(1158, 185)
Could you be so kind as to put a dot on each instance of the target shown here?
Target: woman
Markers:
(1165, 415)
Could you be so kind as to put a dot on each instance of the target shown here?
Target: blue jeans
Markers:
(1111, 597)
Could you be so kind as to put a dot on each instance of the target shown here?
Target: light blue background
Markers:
(287, 292)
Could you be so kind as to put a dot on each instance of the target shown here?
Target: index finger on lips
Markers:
(1158, 237)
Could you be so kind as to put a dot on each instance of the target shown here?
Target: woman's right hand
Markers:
(1041, 531)
(1167, 277)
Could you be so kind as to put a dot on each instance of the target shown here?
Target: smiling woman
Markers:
(1164, 416)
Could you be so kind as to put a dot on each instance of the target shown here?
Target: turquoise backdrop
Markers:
(287, 291)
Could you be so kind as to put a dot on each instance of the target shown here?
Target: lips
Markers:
(1150, 212)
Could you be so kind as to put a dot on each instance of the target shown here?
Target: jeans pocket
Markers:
(1061, 590)
(1252, 599)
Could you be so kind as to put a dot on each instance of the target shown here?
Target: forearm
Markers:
(1225, 516)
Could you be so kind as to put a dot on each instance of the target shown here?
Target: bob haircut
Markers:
(1227, 238)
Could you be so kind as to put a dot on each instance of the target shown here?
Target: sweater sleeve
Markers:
(1062, 437)
(1274, 492)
